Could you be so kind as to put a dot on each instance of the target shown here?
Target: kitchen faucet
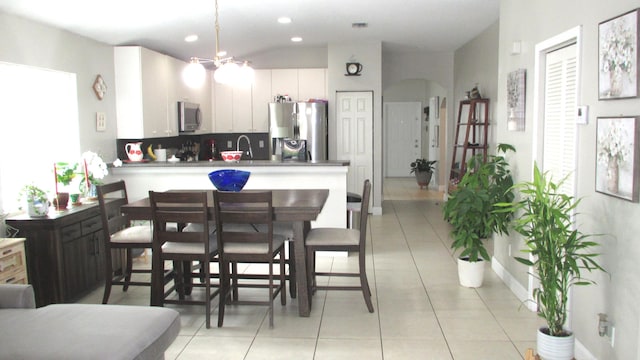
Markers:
(248, 143)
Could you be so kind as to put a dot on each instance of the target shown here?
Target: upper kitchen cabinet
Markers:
(142, 78)
(148, 88)
(284, 82)
(179, 91)
(312, 84)
(299, 84)
(232, 108)
(260, 98)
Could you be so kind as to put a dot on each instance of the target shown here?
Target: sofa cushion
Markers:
(86, 331)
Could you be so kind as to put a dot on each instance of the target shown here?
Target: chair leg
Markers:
(108, 278)
(224, 290)
(364, 284)
(128, 270)
(179, 279)
(293, 289)
(283, 280)
(271, 294)
(207, 294)
(234, 283)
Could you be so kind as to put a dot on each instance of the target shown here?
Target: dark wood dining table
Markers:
(297, 206)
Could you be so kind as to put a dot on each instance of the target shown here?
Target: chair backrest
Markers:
(111, 197)
(179, 207)
(237, 215)
(364, 212)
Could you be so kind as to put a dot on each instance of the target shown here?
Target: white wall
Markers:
(370, 56)
(618, 294)
(26, 42)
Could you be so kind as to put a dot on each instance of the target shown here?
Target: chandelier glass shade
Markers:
(228, 71)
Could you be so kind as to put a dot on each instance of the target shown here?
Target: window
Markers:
(38, 126)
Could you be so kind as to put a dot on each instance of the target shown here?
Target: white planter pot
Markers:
(37, 208)
(470, 274)
(555, 347)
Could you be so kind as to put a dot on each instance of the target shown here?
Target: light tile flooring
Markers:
(420, 310)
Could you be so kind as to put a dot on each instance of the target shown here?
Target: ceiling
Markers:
(249, 27)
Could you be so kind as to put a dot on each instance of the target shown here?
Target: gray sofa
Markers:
(81, 331)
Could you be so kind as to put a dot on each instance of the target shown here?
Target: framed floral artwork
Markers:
(617, 157)
(516, 100)
(618, 57)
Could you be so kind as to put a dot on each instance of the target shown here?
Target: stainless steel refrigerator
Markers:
(299, 121)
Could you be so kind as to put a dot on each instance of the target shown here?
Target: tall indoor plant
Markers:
(423, 170)
(558, 253)
(469, 210)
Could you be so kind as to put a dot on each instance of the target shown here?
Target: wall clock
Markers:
(99, 87)
(353, 68)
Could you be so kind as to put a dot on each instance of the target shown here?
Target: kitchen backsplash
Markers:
(186, 146)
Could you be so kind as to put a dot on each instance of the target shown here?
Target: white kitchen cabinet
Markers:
(260, 98)
(312, 84)
(284, 82)
(223, 108)
(148, 88)
(142, 83)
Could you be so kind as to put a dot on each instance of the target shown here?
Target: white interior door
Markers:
(354, 131)
(403, 136)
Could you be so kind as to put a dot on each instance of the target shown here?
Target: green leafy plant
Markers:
(31, 192)
(558, 251)
(66, 172)
(422, 165)
(469, 208)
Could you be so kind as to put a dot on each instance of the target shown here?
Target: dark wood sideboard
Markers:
(65, 252)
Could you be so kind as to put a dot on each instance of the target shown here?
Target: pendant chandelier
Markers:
(228, 70)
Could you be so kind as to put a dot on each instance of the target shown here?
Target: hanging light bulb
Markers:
(228, 71)
(194, 74)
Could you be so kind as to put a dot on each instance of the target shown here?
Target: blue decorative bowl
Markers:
(229, 180)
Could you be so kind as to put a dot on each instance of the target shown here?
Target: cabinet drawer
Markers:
(11, 258)
(91, 225)
(71, 232)
(18, 277)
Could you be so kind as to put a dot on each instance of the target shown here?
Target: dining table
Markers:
(296, 206)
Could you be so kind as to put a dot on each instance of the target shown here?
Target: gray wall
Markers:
(532, 22)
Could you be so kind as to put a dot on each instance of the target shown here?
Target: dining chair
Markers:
(120, 235)
(339, 239)
(183, 247)
(285, 229)
(234, 209)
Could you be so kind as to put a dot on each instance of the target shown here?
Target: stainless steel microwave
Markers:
(189, 116)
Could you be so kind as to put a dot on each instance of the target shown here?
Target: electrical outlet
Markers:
(101, 121)
(261, 144)
(229, 144)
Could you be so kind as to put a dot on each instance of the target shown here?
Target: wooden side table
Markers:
(13, 264)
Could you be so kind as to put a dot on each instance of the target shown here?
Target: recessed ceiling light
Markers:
(191, 38)
(359, 25)
(284, 20)
(296, 39)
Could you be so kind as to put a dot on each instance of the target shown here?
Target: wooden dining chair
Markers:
(120, 235)
(183, 247)
(232, 211)
(339, 239)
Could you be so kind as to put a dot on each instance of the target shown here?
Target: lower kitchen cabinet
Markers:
(64, 253)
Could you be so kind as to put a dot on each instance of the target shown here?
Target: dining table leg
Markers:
(157, 283)
(304, 297)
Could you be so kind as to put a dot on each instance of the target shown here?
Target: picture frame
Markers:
(618, 57)
(617, 156)
(516, 100)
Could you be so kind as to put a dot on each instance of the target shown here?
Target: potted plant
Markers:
(65, 173)
(423, 169)
(469, 210)
(36, 200)
(558, 252)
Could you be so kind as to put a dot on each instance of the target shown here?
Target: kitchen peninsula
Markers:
(265, 174)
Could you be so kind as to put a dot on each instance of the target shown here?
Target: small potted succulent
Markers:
(423, 169)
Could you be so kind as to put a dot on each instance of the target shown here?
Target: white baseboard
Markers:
(581, 352)
(520, 291)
